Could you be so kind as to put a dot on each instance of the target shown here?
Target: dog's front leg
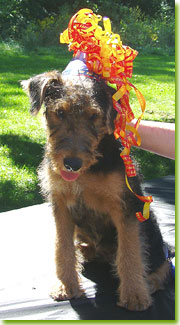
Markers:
(133, 290)
(66, 263)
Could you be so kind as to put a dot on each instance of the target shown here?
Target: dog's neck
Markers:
(110, 159)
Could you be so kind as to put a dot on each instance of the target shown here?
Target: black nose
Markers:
(72, 164)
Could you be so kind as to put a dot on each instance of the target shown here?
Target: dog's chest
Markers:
(87, 205)
(92, 222)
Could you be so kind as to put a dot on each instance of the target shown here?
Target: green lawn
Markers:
(154, 76)
(22, 136)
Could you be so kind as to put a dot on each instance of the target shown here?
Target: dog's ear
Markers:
(111, 116)
(111, 113)
(38, 86)
(103, 96)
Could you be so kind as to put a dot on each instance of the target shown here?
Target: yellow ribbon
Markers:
(146, 199)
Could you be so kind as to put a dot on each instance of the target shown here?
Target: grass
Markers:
(22, 137)
(154, 76)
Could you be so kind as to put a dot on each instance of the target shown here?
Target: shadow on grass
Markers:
(25, 154)
(155, 66)
(13, 196)
(153, 166)
(23, 151)
(31, 64)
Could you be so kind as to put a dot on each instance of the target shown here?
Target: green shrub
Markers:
(46, 31)
(136, 29)
(150, 25)
(141, 31)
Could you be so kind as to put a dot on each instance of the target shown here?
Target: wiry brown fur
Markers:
(95, 214)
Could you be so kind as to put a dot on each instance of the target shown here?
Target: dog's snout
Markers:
(72, 164)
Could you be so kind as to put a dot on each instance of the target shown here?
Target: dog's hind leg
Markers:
(157, 278)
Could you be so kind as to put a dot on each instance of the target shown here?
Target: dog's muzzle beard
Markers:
(70, 163)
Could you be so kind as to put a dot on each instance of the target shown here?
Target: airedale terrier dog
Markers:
(83, 176)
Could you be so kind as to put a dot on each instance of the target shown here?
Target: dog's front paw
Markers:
(134, 299)
(66, 292)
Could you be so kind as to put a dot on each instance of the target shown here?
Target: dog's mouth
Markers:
(69, 176)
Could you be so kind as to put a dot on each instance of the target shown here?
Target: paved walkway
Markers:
(27, 269)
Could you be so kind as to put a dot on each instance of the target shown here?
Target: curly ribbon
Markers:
(146, 199)
(113, 62)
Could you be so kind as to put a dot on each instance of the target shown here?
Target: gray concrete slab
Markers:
(27, 269)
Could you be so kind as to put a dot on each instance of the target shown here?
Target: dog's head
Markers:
(79, 113)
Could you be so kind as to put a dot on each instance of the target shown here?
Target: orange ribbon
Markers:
(146, 199)
(107, 57)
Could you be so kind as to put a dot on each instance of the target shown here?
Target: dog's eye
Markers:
(94, 117)
(61, 114)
